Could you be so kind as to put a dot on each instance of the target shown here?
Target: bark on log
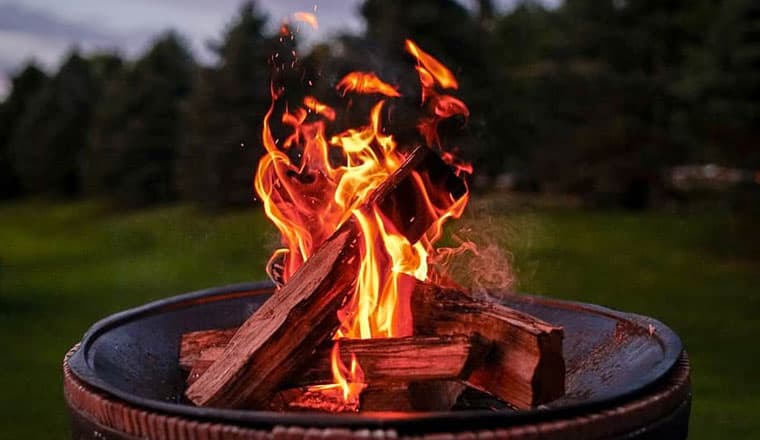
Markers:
(382, 360)
(380, 397)
(522, 363)
(281, 334)
(194, 344)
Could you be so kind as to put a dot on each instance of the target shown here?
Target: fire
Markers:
(311, 183)
(349, 380)
(366, 82)
(307, 17)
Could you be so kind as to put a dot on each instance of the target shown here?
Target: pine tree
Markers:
(51, 133)
(730, 97)
(23, 87)
(223, 117)
(136, 130)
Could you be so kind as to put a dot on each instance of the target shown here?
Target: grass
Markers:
(65, 265)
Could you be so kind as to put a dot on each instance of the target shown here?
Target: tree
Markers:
(23, 87)
(600, 92)
(52, 131)
(223, 116)
(136, 129)
(721, 84)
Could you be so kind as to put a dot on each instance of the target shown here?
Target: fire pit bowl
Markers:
(627, 376)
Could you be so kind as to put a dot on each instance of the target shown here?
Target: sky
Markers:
(45, 30)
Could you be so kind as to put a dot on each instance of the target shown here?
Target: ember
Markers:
(357, 233)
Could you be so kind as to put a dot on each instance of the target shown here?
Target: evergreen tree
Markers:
(722, 83)
(23, 87)
(604, 98)
(136, 128)
(52, 131)
(223, 117)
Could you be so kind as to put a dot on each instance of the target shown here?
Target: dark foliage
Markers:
(51, 133)
(136, 129)
(223, 117)
(23, 86)
(598, 98)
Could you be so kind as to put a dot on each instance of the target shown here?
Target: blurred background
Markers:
(615, 145)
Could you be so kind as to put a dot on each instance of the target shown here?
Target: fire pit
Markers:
(626, 377)
(366, 318)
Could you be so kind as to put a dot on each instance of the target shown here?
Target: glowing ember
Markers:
(308, 193)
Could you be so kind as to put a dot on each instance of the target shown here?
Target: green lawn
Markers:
(63, 266)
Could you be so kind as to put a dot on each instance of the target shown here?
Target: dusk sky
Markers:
(44, 30)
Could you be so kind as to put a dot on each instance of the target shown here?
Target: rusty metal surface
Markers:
(610, 357)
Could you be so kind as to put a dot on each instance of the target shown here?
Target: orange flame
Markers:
(307, 17)
(431, 68)
(312, 104)
(367, 83)
(308, 193)
(349, 380)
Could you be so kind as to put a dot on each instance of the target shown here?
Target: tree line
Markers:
(595, 97)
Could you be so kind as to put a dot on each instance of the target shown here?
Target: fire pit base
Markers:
(627, 377)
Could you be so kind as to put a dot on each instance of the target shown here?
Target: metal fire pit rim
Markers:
(406, 422)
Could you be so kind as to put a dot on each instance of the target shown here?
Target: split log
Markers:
(326, 399)
(415, 358)
(379, 397)
(282, 333)
(522, 364)
(194, 344)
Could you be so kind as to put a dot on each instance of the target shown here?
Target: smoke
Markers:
(477, 259)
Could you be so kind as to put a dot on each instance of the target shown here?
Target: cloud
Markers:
(17, 18)
(34, 34)
(27, 33)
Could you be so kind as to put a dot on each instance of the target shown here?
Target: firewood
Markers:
(328, 400)
(194, 343)
(378, 397)
(522, 364)
(387, 396)
(383, 360)
(202, 362)
(281, 334)
(279, 337)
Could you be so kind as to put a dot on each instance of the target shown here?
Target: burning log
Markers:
(392, 396)
(438, 395)
(514, 356)
(415, 358)
(522, 363)
(280, 336)
(283, 331)
(329, 399)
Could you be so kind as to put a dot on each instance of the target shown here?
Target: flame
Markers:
(310, 184)
(312, 104)
(430, 68)
(349, 380)
(307, 17)
(367, 83)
